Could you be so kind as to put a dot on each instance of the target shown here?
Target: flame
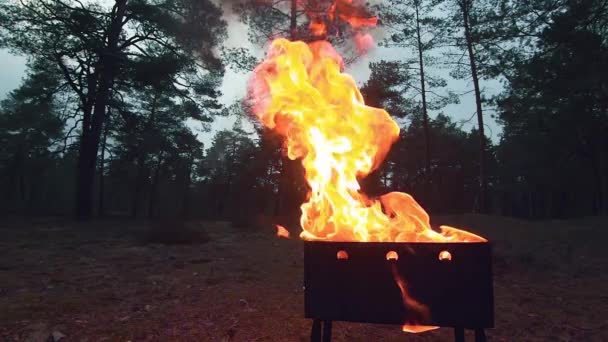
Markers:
(317, 28)
(416, 329)
(422, 311)
(282, 232)
(354, 14)
(301, 92)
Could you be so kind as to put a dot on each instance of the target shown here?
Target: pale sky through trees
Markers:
(12, 69)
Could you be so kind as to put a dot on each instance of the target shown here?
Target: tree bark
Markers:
(139, 183)
(293, 24)
(602, 176)
(425, 116)
(153, 187)
(465, 6)
(186, 191)
(142, 172)
(91, 131)
(102, 164)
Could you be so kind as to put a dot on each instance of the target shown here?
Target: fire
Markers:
(416, 329)
(354, 13)
(301, 92)
(282, 232)
(356, 16)
(420, 309)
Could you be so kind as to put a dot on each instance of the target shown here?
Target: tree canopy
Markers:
(119, 97)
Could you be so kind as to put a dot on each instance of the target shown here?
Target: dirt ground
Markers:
(110, 281)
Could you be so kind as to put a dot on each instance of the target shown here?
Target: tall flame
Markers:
(301, 92)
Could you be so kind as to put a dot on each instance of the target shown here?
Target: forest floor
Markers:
(109, 280)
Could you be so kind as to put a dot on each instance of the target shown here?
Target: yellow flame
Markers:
(301, 92)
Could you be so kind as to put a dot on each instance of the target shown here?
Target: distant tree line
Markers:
(102, 122)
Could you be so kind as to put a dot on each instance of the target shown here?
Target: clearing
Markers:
(110, 280)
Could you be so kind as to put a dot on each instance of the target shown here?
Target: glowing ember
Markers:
(416, 329)
(282, 232)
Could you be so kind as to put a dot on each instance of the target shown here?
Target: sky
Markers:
(12, 69)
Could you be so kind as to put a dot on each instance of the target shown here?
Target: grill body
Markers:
(363, 288)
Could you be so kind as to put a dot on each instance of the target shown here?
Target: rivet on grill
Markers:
(445, 256)
(342, 255)
(392, 255)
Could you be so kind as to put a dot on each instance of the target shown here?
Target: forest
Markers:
(159, 158)
(101, 124)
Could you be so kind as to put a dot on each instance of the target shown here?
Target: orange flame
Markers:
(282, 232)
(356, 15)
(301, 93)
(421, 310)
(317, 28)
(416, 329)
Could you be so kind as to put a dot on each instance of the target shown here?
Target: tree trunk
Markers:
(483, 182)
(91, 134)
(286, 163)
(602, 176)
(139, 183)
(293, 24)
(154, 186)
(102, 164)
(22, 186)
(425, 116)
(186, 191)
(144, 151)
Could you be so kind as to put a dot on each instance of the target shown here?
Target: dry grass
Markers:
(122, 280)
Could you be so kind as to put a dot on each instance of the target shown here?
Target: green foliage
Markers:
(30, 127)
(555, 138)
(451, 185)
(139, 94)
(268, 20)
(388, 87)
(403, 20)
(239, 58)
(108, 52)
(504, 33)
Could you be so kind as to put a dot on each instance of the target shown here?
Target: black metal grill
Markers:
(355, 282)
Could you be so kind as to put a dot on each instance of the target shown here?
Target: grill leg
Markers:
(315, 332)
(326, 331)
(480, 335)
(459, 334)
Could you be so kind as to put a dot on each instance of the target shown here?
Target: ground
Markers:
(112, 280)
